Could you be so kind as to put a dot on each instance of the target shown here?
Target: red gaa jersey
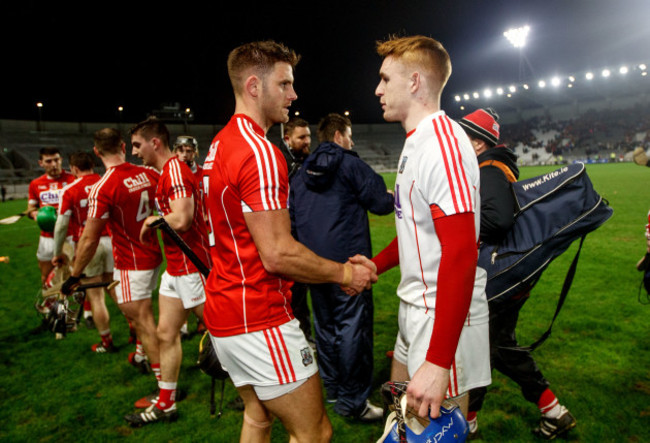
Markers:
(74, 202)
(177, 181)
(124, 196)
(243, 172)
(45, 190)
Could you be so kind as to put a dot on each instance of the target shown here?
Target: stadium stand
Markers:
(591, 131)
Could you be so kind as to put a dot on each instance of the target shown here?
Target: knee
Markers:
(167, 335)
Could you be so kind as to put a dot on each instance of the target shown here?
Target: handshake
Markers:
(359, 273)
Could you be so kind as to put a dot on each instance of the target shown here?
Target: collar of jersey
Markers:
(257, 128)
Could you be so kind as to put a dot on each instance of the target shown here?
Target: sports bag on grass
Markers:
(552, 211)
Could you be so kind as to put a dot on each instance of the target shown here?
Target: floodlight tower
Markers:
(517, 37)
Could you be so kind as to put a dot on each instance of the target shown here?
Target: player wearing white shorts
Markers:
(256, 259)
(442, 346)
(121, 200)
(44, 191)
(182, 288)
(73, 209)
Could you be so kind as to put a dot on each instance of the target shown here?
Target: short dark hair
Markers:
(82, 160)
(331, 123)
(108, 141)
(294, 123)
(261, 56)
(49, 150)
(150, 128)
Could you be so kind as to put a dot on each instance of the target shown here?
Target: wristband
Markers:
(347, 274)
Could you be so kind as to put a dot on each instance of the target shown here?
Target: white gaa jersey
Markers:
(438, 167)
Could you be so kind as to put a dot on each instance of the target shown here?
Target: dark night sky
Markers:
(84, 61)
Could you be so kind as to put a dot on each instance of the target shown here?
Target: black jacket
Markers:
(497, 199)
(329, 199)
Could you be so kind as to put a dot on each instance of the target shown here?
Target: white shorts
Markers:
(189, 288)
(102, 261)
(135, 285)
(45, 251)
(471, 366)
(274, 361)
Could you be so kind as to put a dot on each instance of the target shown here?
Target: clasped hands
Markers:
(363, 275)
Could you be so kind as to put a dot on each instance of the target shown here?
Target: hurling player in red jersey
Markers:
(121, 200)
(182, 287)
(73, 207)
(44, 191)
(255, 258)
(187, 149)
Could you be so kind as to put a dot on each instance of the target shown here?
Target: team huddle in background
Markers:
(273, 220)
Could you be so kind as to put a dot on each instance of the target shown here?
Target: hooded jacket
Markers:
(328, 202)
(497, 201)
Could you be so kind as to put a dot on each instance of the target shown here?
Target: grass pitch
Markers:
(597, 358)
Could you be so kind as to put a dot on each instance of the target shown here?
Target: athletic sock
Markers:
(472, 421)
(139, 352)
(167, 395)
(87, 309)
(548, 404)
(107, 338)
(155, 367)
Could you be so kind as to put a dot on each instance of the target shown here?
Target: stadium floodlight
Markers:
(642, 67)
(517, 36)
(475, 95)
(500, 91)
(525, 86)
(457, 98)
(555, 81)
(572, 79)
(541, 84)
(606, 73)
(589, 75)
(466, 96)
(623, 70)
(512, 88)
(487, 93)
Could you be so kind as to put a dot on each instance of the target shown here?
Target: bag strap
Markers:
(505, 169)
(568, 280)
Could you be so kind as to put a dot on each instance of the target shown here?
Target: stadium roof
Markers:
(82, 63)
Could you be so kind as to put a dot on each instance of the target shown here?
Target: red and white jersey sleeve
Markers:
(178, 181)
(46, 191)
(437, 176)
(125, 197)
(243, 172)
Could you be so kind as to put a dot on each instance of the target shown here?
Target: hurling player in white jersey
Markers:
(442, 344)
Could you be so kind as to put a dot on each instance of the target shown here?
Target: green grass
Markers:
(597, 358)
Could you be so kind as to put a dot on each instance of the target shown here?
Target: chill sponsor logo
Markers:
(49, 197)
(544, 178)
(138, 182)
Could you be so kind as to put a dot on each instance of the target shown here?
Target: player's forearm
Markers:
(60, 233)
(296, 262)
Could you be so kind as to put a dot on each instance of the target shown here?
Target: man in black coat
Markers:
(329, 200)
(498, 166)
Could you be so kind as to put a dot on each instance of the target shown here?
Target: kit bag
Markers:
(552, 211)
